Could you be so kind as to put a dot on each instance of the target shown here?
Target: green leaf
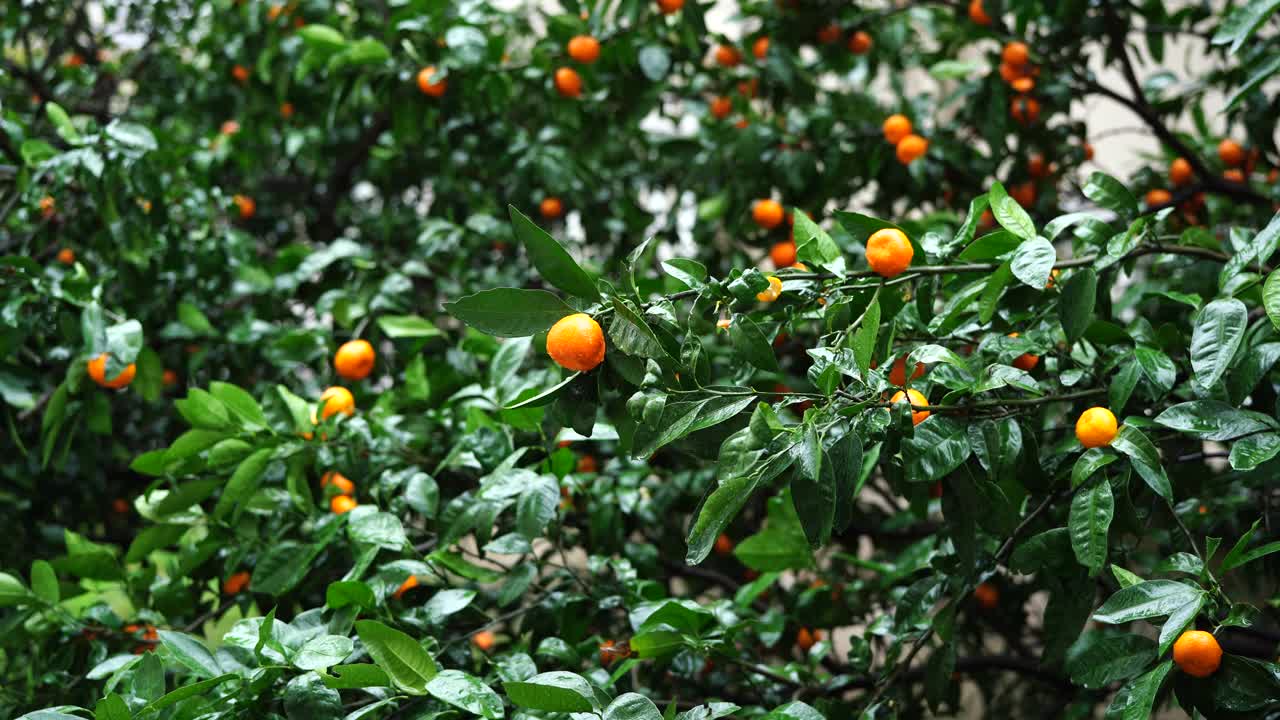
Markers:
(654, 61)
(1124, 577)
(1152, 598)
(349, 592)
(683, 417)
(939, 446)
(44, 582)
(1243, 21)
(466, 692)
(1075, 309)
(751, 344)
(192, 653)
(1219, 328)
(691, 273)
(1011, 216)
(632, 706)
(323, 651)
(282, 567)
(365, 51)
(382, 529)
(404, 660)
(1111, 194)
(1145, 458)
(244, 482)
(61, 122)
(1157, 367)
(111, 707)
(1091, 511)
(864, 339)
(322, 37)
(1101, 657)
(186, 691)
(510, 312)
(1178, 621)
(1271, 293)
(1033, 261)
(814, 247)
(1238, 555)
(1244, 684)
(813, 490)
(1137, 702)
(204, 411)
(1214, 420)
(1249, 452)
(632, 335)
(407, 326)
(1261, 74)
(191, 316)
(556, 691)
(1089, 463)
(781, 545)
(551, 259)
(352, 677)
(240, 404)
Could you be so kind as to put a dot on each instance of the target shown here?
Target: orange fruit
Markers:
(1230, 152)
(986, 221)
(896, 127)
(773, 292)
(916, 399)
(807, 638)
(410, 583)
(551, 207)
(724, 545)
(74, 60)
(721, 106)
(336, 399)
(1053, 278)
(860, 43)
(741, 124)
(1023, 84)
(724, 323)
(240, 73)
(802, 268)
(98, 373)
(48, 207)
(760, 48)
(987, 596)
(427, 86)
(568, 82)
(1025, 110)
(586, 464)
(286, 110)
(1011, 74)
(1197, 653)
(1180, 172)
(768, 214)
(245, 205)
(67, 256)
(1273, 176)
(1088, 151)
(576, 342)
(342, 504)
(783, 254)
(829, 34)
(1015, 53)
(977, 13)
(120, 506)
(1096, 427)
(584, 48)
(669, 7)
(1234, 175)
(169, 378)
(1036, 166)
(898, 372)
(748, 88)
(229, 127)
(889, 252)
(339, 481)
(1026, 361)
(1024, 193)
(354, 360)
(483, 640)
(910, 148)
(1158, 196)
(727, 56)
(237, 582)
(274, 12)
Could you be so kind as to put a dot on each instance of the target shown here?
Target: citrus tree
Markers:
(412, 359)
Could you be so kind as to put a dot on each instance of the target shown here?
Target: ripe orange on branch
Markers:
(568, 82)
(771, 293)
(97, 368)
(1230, 152)
(336, 399)
(1197, 653)
(1096, 427)
(551, 208)
(354, 360)
(889, 252)
(429, 85)
(584, 49)
(783, 254)
(896, 127)
(768, 214)
(916, 399)
(860, 43)
(911, 148)
(721, 106)
(727, 56)
(1180, 172)
(576, 342)
(670, 7)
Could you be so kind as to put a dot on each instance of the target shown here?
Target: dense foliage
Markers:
(417, 359)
